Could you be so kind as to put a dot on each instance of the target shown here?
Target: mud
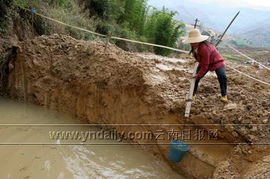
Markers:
(100, 84)
(53, 159)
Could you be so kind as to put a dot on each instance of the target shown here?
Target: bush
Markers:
(132, 19)
(4, 6)
(136, 22)
(164, 30)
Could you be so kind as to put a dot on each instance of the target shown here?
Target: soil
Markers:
(100, 83)
(259, 54)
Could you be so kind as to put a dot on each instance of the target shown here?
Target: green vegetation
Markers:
(132, 19)
(162, 29)
(136, 20)
(233, 58)
(240, 42)
(4, 5)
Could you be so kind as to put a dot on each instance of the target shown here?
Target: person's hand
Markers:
(194, 61)
(10, 67)
(194, 76)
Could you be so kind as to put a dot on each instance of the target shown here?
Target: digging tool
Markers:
(196, 23)
(219, 40)
(191, 90)
(195, 26)
(192, 81)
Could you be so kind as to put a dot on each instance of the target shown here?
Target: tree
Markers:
(162, 29)
(134, 16)
(133, 19)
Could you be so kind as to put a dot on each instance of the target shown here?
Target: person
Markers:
(209, 59)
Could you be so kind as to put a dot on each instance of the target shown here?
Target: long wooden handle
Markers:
(191, 90)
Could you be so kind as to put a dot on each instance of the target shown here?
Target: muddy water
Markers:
(27, 151)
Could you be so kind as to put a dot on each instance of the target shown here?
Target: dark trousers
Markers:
(222, 79)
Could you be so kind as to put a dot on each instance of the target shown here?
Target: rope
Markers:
(98, 34)
(244, 55)
(57, 21)
(249, 76)
(150, 44)
(144, 43)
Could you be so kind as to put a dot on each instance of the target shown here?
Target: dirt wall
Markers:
(103, 84)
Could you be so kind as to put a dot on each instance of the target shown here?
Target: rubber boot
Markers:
(194, 98)
(224, 99)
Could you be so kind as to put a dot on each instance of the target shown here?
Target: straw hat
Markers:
(195, 36)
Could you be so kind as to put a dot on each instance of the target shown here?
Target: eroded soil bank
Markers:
(110, 86)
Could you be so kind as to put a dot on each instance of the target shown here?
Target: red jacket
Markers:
(209, 59)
